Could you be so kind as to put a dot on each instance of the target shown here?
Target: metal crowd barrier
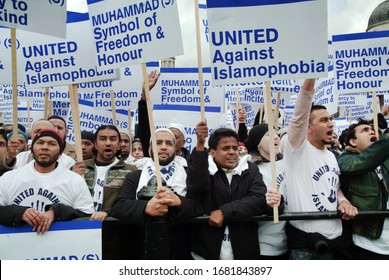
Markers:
(123, 241)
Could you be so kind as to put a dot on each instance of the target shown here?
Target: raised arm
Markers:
(298, 127)
(143, 131)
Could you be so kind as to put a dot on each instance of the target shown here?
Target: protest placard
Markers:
(361, 62)
(252, 40)
(74, 240)
(28, 15)
(131, 32)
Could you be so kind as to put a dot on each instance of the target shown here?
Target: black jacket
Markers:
(243, 199)
(129, 209)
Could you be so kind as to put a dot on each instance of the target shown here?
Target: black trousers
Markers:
(363, 254)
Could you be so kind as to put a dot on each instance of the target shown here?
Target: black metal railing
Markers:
(121, 240)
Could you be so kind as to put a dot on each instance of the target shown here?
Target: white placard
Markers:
(361, 62)
(260, 40)
(352, 99)
(129, 32)
(91, 119)
(73, 240)
(180, 86)
(40, 16)
(48, 61)
(189, 119)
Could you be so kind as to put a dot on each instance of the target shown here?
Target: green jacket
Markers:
(113, 181)
(362, 186)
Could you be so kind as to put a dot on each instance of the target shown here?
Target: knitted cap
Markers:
(255, 136)
(52, 133)
(88, 135)
(19, 132)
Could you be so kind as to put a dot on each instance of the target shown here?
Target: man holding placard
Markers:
(139, 201)
(231, 189)
(60, 125)
(316, 189)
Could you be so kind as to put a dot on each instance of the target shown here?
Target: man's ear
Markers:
(352, 143)
(309, 128)
(212, 152)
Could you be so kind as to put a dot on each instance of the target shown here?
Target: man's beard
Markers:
(124, 154)
(45, 164)
(164, 162)
(327, 142)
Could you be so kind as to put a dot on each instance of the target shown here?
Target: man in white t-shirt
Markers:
(61, 126)
(312, 180)
(364, 179)
(43, 191)
(15, 159)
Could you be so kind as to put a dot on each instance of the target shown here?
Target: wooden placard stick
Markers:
(113, 106)
(129, 127)
(152, 127)
(351, 115)
(47, 109)
(14, 83)
(28, 115)
(270, 119)
(375, 116)
(76, 120)
(199, 60)
(277, 109)
(238, 107)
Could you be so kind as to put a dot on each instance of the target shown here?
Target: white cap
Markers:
(164, 130)
(178, 126)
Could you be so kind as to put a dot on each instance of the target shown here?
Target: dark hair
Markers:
(22, 127)
(3, 133)
(136, 140)
(351, 130)
(219, 133)
(342, 138)
(8, 126)
(315, 107)
(57, 118)
(107, 126)
(88, 135)
(111, 127)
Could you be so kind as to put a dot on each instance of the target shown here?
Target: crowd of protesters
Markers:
(227, 176)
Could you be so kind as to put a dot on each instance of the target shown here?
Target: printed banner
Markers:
(91, 119)
(74, 240)
(361, 62)
(127, 89)
(129, 32)
(324, 94)
(163, 115)
(353, 99)
(40, 16)
(259, 40)
(180, 86)
(48, 61)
